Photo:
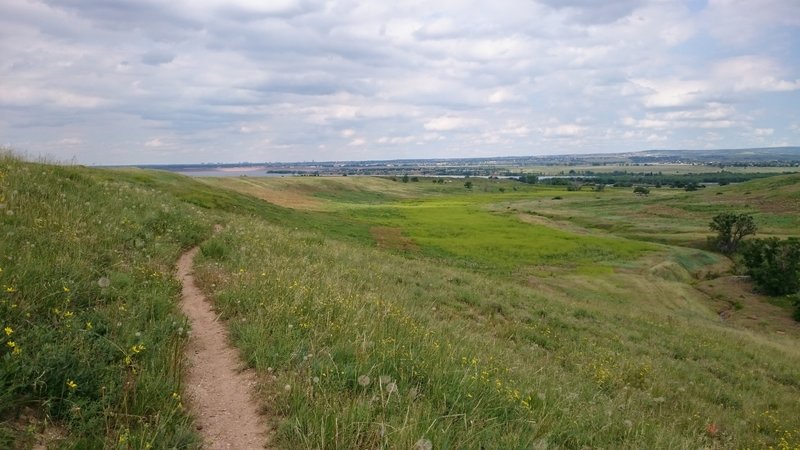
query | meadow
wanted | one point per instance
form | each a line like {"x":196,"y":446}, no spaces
{"x":497,"y":331}
{"x":382,"y":314}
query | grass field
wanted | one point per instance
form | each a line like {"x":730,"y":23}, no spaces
{"x":666,"y":169}
{"x":502,"y":332}
{"x":381,"y":314}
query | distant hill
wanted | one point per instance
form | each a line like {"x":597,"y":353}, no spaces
{"x":775,"y":157}
{"x":740,"y":155}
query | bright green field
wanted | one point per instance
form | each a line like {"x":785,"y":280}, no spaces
{"x":463,"y":228}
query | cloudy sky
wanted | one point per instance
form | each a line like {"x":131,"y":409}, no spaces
{"x":151,"y":81}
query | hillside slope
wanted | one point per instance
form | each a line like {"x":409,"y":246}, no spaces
{"x":394,"y":347}
{"x":372,"y":324}
{"x":91,"y":341}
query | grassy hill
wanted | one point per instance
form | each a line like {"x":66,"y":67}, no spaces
{"x":381,"y":314}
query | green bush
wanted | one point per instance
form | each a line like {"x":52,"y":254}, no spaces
{"x":796,"y":314}
{"x":774,"y":265}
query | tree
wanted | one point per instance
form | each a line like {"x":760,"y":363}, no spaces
{"x":641,"y":190}
{"x":773,"y":264}
{"x":405,"y":178}
{"x":468,"y":185}
{"x":731,"y":228}
{"x":574,"y":186}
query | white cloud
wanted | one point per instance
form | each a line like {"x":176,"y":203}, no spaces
{"x":357,"y":142}
{"x":155,"y":142}
{"x":295,"y":79}
{"x":502,"y":95}
{"x":450,"y":123}
{"x":70,"y":141}
{"x":569,"y":130}
{"x":665,"y":93}
{"x":396,"y":140}
{"x":752,"y":73}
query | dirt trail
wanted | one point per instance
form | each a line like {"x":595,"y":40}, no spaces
{"x":218,"y":391}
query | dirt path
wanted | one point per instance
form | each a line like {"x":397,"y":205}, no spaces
{"x":218,"y":391}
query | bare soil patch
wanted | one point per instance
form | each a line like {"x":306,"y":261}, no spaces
{"x":219,"y":390}
{"x":393,"y":239}
{"x":734,"y":300}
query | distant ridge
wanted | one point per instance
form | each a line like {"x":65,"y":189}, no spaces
{"x":761,"y":154}
{"x":775,"y":156}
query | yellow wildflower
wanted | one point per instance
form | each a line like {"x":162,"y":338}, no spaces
{"x":72,"y":385}
{"x":8,"y":331}
{"x":89,"y":325}
{"x":11,"y":344}
{"x":137,"y":348}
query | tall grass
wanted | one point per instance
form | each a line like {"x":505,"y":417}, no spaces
{"x":91,"y":339}
{"x":363,"y":349}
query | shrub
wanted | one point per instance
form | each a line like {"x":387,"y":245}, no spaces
{"x":641,"y":190}
{"x":796,"y":315}
{"x":774,"y":265}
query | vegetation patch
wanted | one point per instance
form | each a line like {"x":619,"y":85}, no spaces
{"x":390,"y":238}
{"x":610,"y":339}
{"x":91,"y":339}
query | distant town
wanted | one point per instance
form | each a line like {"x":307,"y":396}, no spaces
{"x":498,"y":166}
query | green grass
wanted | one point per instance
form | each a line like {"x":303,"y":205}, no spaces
{"x":676,"y":217}
{"x":515,"y":320}
{"x":100,"y":362}
{"x":459,"y":227}
{"x":482,"y":362}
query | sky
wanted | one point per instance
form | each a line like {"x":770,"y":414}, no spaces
{"x":193,"y":81}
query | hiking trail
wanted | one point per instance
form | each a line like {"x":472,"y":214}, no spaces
{"x":219,"y":391}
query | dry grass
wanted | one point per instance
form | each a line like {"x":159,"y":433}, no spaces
{"x":733,"y":298}
{"x":280,"y":194}
{"x":392,"y":238}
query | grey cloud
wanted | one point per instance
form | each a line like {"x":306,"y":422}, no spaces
{"x":157,"y":19}
{"x":282,"y":80}
{"x":157,"y":57}
{"x":595,"y":11}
